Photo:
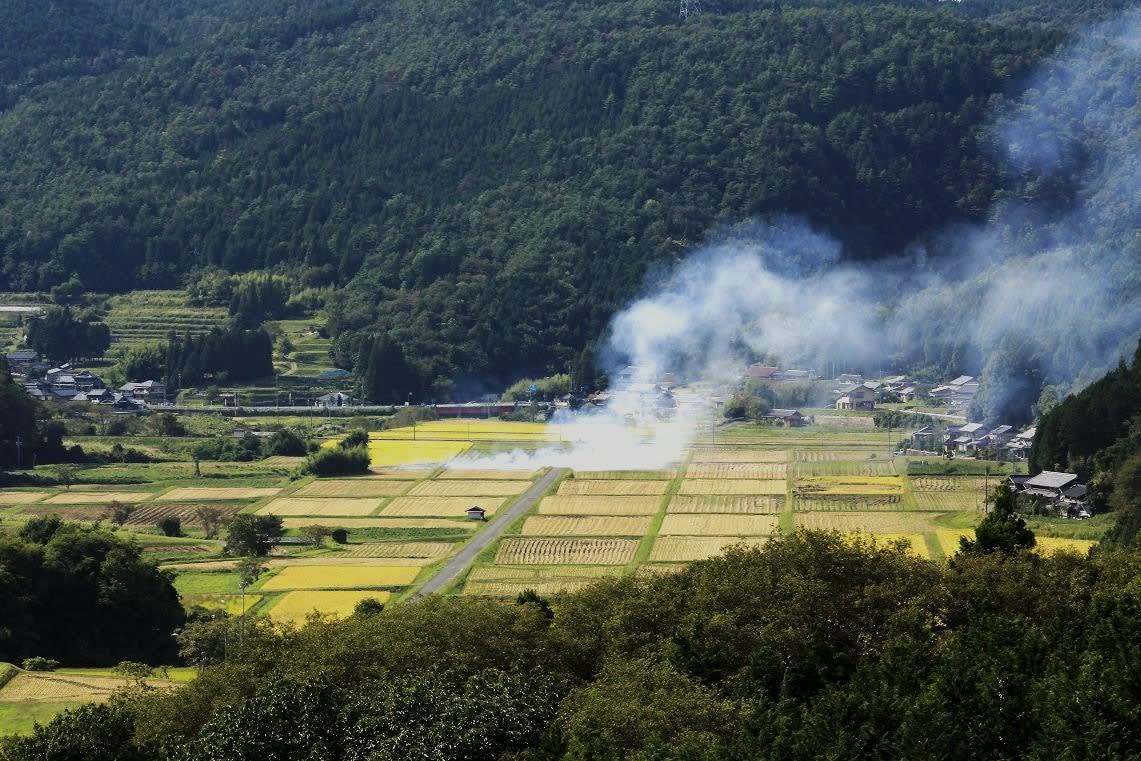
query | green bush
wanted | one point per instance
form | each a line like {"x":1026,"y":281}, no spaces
{"x":338,"y":461}
{"x":39,"y":664}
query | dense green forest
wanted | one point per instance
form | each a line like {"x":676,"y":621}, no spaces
{"x":812,"y":647}
{"x":490,"y":180}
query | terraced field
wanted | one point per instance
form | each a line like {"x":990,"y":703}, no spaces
{"x":150,"y":316}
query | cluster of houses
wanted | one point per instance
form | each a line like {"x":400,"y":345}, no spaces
{"x":971,"y":438}
{"x":63,"y":384}
{"x":1063,"y":490}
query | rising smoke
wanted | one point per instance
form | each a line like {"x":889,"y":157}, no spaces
{"x":1043,"y":294}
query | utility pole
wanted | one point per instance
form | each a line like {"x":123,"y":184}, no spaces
{"x":19,"y":450}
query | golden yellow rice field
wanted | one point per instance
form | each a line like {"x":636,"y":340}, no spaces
{"x":21,"y":497}
{"x":728,"y":503}
{"x":757,"y":470}
{"x":462,"y":488}
{"x":688,"y":548}
{"x":740,"y":455}
{"x":321,"y":507}
{"x":364,"y":487}
{"x":916,"y":544}
{"x":398,"y":550}
{"x":487,"y":475}
{"x":473,"y":430}
{"x":614,"y":487}
{"x":439,"y":507}
{"x":949,"y":539}
{"x":585,"y":525}
{"x":872,"y":522}
{"x":296,"y":606}
{"x":576,"y":505}
{"x":384,"y":453}
{"x":351,"y":523}
{"x":187,"y":494}
{"x":712,"y":524}
{"x":1050,"y":545}
{"x":340,"y":577}
{"x":544,"y":551}
{"x":697,"y":487}
{"x":92,"y":497}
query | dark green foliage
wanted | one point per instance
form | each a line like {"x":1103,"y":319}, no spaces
{"x":816,"y":646}
{"x":82,"y":596}
{"x":231,"y":355}
{"x":357,"y":438}
{"x":25,"y":430}
{"x":1010,"y":378}
{"x":286,"y":443}
{"x":1125,"y":500}
{"x":1002,"y":530}
{"x":170,"y":526}
{"x":257,"y":298}
{"x":370,"y":606}
{"x":41,"y":529}
{"x":338,"y":461}
{"x":60,"y":336}
{"x":229,"y":449}
{"x":37,"y":663}
{"x":385,"y":375}
{"x":252,"y":535}
{"x":339,"y":535}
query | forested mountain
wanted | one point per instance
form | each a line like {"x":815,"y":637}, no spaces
{"x":490,"y":180}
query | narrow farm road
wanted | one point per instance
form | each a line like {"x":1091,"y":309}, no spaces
{"x":483,"y":540}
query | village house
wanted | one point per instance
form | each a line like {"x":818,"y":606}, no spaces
{"x":1062,"y":489}
{"x":147,"y":391}
{"x":760,"y":372}
{"x":958,"y":392}
{"x":927,"y":439}
{"x":1018,"y":447}
{"x":22,"y":359}
{"x":476,"y":513}
{"x":967,"y":438}
{"x":335,"y":399}
{"x":794,"y":375}
{"x":997,"y":438}
{"x":861,"y":397}
{"x":787,"y":418}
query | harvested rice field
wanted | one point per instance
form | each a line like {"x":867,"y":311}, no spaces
{"x":949,"y":500}
{"x":396,"y":474}
{"x":633,"y":475}
{"x":688,"y":524}
{"x":540,"y":573}
{"x":463,"y":488}
{"x":849,"y":485}
{"x":872,"y":522}
{"x":545,"y":551}
{"x":384,"y":453}
{"x":321,"y":507}
{"x":587,"y":525}
{"x":365,"y":487}
{"x":296,"y":606}
{"x":613,"y":487}
{"x":351,"y":523}
{"x":283,"y":461}
{"x":21,"y":497}
{"x":845,"y":468}
{"x":851,"y":454}
{"x":824,"y":503}
{"x":52,"y":687}
{"x":90,"y":497}
{"x":188,"y":494}
{"x":90,"y":512}
{"x":514,"y":588}
{"x":574,"y":505}
{"x":689,"y":548}
{"x":952,"y":483}
{"x":726,"y":503}
{"x":740,"y":455}
{"x":755,"y":470}
{"x":438,"y":507}
{"x":657,"y":569}
{"x":487,"y":475}
{"x":473,"y":430}
{"x":398,"y":550}
{"x":340,"y":577}
{"x":697,"y":487}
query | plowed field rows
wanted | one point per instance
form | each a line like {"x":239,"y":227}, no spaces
{"x":465,"y":488}
{"x":849,"y":485}
{"x":757,"y":470}
{"x":691,"y":487}
{"x":566,"y":551}
{"x":540,"y":573}
{"x":91,"y":497}
{"x":857,"y":502}
{"x":615,"y":487}
{"x":439,"y":507}
{"x":718,"y":525}
{"x":720,"y":503}
{"x":564,"y":505}
{"x":951,"y":483}
{"x":153,"y":513}
{"x":687,"y":548}
{"x":948,"y":500}
{"x":514,"y":588}
{"x":365,"y":487}
{"x":399,"y":550}
{"x":845,"y":468}
{"x":586,"y":525}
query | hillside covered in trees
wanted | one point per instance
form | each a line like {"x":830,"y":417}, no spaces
{"x":489,"y":182}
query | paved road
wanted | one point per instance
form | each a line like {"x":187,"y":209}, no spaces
{"x":498,"y":525}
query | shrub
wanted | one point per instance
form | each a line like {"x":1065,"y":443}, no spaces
{"x":357,"y":438}
{"x":338,"y":461}
{"x":286,"y":443}
{"x":171,"y":525}
{"x":39,"y":664}
{"x":340,"y":535}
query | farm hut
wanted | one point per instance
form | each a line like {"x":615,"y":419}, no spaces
{"x":787,"y":418}
{"x":761,"y":372}
{"x":1050,"y":484}
{"x":476,"y":513}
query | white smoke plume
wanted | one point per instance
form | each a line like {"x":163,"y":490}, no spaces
{"x":1061,"y":286}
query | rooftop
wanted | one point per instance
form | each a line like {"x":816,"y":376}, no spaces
{"x":1049,"y":479}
